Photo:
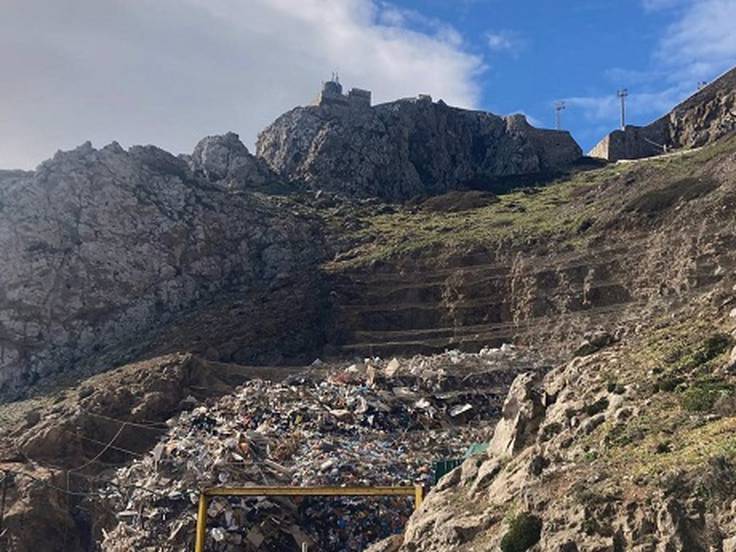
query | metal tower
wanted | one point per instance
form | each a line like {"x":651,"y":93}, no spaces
{"x":559,"y":108}
{"x":622,"y":94}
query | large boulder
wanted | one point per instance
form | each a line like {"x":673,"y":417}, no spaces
{"x":225,"y":159}
{"x":522,"y":413}
{"x":409,"y":148}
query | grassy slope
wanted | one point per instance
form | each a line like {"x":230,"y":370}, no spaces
{"x":569,"y":211}
{"x":687,"y":413}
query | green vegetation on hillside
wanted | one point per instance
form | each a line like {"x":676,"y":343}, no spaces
{"x":568,"y":212}
{"x":524,"y":532}
{"x":682,"y":422}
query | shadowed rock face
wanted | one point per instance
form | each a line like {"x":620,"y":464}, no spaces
{"x":98,"y":248}
{"x":407,"y":148}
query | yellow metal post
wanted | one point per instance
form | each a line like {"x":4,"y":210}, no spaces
{"x":417,"y":492}
{"x":201,"y":523}
{"x":310,"y":491}
{"x":418,"y":496}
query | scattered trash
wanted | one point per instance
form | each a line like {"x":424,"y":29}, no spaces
{"x":368,"y":423}
{"x":460,"y":409}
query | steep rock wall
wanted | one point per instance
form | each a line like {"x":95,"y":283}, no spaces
{"x":100,"y":248}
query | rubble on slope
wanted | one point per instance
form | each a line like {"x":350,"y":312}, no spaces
{"x":375,"y":422}
{"x":627,"y":448}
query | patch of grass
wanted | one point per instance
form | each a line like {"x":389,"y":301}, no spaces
{"x":520,"y":217}
{"x":693,"y":445}
{"x":702,"y":395}
{"x":676,"y":350}
{"x":631,"y":431}
{"x":455,"y":202}
{"x":685,"y":189}
{"x":525,"y":530}
{"x":712,"y":347}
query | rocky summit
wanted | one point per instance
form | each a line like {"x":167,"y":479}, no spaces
{"x":408,"y":148}
{"x":406,"y":294}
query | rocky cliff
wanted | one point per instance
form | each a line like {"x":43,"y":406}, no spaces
{"x":408,"y":148}
{"x":707,"y":116}
{"x":627,"y":448}
{"x":99,"y":248}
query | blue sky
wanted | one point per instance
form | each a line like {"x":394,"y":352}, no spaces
{"x":535,"y":52}
{"x":169,"y":72}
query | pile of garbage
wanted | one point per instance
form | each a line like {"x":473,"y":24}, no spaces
{"x":373,"y":422}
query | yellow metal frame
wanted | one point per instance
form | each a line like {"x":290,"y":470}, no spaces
{"x":417,"y":492}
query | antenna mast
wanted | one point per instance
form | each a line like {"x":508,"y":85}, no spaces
{"x":622,"y":94}
{"x":559,"y":108}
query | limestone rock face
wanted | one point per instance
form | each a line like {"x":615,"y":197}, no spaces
{"x":408,"y":148}
{"x":225,"y":159}
{"x":100,"y":247}
{"x":520,"y":418}
{"x":706,"y":116}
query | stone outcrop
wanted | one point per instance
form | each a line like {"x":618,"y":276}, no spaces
{"x":705,"y":117}
{"x":99,"y":248}
{"x":51,"y":449}
{"x":584,"y":474}
{"x":520,"y":418}
{"x":225,"y":159}
{"x":408,"y":148}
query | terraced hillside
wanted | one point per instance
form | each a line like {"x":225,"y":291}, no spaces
{"x":598,"y":250}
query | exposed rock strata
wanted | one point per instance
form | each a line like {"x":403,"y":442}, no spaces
{"x":626,"y":243}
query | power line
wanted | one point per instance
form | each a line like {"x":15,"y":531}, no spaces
{"x":103,"y":451}
{"x":153,"y":426}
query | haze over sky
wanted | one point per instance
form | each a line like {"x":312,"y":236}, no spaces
{"x":168,"y":72}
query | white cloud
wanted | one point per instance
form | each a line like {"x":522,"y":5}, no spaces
{"x":505,"y":41}
{"x":702,"y":42}
{"x":171,"y":71}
